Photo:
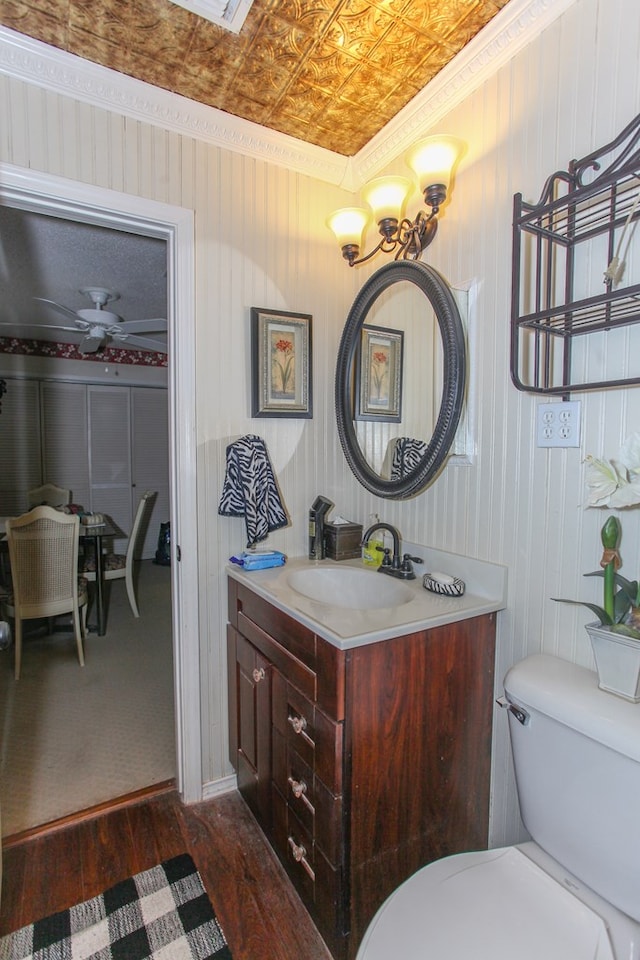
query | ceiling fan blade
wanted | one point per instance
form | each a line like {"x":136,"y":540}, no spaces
{"x":148,"y":342}
{"x":21,"y":327}
{"x":65,"y":311}
{"x":144,"y":326}
{"x":90,"y":344}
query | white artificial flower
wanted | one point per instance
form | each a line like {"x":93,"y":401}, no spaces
{"x":603,"y":480}
{"x":627,"y":494}
{"x":630,"y":454}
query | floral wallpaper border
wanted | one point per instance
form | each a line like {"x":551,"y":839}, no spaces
{"x":69,"y":351}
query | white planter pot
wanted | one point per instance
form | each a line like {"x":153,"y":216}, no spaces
{"x":617,"y":661}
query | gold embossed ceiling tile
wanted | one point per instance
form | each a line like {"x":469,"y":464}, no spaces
{"x":330,"y":72}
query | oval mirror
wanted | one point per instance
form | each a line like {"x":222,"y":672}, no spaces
{"x":400,"y":379}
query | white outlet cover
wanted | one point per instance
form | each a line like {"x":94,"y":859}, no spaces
{"x":558,"y":423}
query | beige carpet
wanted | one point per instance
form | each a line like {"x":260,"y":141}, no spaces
{"x":72,"y":736}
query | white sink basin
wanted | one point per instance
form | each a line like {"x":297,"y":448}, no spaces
{"x":350,"y":589}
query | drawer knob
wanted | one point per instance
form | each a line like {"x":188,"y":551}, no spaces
{"x":258,"y":674}
{"x":298,"y":723}
{"x":298,"y":787}
{"x":300,"y":856}
{"x":299,"y":790}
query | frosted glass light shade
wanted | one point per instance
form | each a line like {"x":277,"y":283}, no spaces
{"x":386,"y":196}
{"x":433,"y":159}
{"x":348,"y":224}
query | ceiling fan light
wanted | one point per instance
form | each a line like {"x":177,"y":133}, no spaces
{"x":433,"y":159}
{"x":387,"y":196}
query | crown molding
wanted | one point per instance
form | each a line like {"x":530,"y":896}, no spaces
{"x":516,"y":25}
{"x":512,"y":29}
{"x":64,"y":73}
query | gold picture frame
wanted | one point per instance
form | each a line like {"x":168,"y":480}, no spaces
{"x":378,"y":371}
{"x":281,"y":373}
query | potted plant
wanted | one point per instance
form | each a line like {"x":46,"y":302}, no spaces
{"x":615,"y":636}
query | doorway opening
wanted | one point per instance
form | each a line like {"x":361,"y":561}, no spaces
{"x":29,"y":190}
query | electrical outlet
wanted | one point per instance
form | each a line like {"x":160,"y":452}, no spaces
{"x":558,"y":424}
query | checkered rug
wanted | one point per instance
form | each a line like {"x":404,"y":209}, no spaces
{"x":161,"y":914}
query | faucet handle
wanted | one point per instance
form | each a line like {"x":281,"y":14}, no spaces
{"x":407,"y":561}
{"x":386,"y":560}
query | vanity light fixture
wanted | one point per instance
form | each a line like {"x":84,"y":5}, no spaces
{"x":432,"y":161}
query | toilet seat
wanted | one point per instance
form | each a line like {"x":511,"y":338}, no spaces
{"x":483,"y":905}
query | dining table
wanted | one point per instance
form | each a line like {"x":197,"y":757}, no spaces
{"x":96,"y":532}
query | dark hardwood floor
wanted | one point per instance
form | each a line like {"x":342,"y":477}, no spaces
{"x":260,"y":912}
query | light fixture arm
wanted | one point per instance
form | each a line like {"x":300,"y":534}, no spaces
{"x":408,"y":238}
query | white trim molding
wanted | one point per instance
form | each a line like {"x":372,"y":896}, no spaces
{"x":217,"y":788}
{"x":516,"y":25}
{"x":44,"y":193}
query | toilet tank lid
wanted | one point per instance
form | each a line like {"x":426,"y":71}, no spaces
{"x":569,"y":694}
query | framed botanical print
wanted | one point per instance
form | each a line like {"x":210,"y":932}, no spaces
{"x":281,"y":372}
{"x":378,"y":371}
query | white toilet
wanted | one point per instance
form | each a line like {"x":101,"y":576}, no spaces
{"x":573,"y":892}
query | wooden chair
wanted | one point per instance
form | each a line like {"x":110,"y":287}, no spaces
{"x":43,"y":553}
{"x":48,"y":495}
{"x":118,"y":566}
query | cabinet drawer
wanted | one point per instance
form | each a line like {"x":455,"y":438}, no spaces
{"x":316,"y":880}
{"x":307,"y":796}
{"x":289,"y":633}
{"x":316,"y":738}
{"x":295,"y":670}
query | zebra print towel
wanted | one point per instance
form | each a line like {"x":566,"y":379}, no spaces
{"x":250,"y":489}
{"x":407,"y":454}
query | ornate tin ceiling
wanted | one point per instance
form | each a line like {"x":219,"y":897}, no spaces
{"x":329,"y":72}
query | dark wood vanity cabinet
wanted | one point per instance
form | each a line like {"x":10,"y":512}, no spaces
{"x":360,"y":765}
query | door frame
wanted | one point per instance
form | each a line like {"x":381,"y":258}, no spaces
{"x":72,"y":200}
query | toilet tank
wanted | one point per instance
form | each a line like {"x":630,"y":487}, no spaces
{"x":577,"y":766}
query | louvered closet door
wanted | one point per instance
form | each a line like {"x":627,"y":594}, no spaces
{"x":110,"y":455}
{"x":150,"y":458}
{"x":65,"y":455}
{"x":19,"y":445}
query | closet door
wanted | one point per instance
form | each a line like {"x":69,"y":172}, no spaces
{"x":150,"y":458}
{"x":65,"y":452}
{"x":19,"y":445}
{"x":110,"y":456}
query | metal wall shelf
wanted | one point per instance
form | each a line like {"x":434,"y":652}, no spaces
{"x":562,"y":247}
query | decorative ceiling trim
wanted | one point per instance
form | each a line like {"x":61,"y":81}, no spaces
{"x":516,"y":25}
{"x":512,"y":29}
{"x":64,"y":73}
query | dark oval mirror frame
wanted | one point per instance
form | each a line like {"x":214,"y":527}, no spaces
{"x":454,"y":359}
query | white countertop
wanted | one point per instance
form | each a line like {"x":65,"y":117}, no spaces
{"x":486,"y":592}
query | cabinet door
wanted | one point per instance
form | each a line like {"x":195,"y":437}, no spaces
{"x":19,"y":446}
{"x":110,"y":455}
{"x":150,"y":459}
{"x":253,"y":698}
{"x":65,"y":451}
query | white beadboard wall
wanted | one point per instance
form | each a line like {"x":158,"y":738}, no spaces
{"x":261,"y":241}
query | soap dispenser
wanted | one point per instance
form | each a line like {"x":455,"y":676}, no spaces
{"x":317,"y":515}
{"x":373,"y":549}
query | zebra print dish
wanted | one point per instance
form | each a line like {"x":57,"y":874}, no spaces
{"x":444,"y":585}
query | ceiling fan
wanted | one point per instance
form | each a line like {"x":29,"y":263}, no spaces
{"x":100,"y":325}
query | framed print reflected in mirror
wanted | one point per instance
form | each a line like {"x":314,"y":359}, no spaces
{"x":378,"y":371}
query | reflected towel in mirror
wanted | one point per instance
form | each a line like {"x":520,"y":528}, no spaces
{"x":402,"y":456}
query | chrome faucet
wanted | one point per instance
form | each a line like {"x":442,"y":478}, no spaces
{"x":393,"y":565}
